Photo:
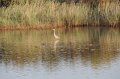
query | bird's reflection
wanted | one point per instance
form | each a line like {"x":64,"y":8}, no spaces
{"x":56,"y":42}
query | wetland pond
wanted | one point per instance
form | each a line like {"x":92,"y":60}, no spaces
{"x":80,"y":53}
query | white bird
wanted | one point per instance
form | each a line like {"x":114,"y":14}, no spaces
{"x":56,"y":37}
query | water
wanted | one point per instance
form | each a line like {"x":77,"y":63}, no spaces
{"x":81,"y":53}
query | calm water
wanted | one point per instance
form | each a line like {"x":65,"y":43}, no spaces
{"x":81,"y":53}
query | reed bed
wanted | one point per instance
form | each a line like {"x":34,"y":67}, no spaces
{"x":49,"y":14}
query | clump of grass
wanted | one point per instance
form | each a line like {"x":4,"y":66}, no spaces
{"x":111,"y":11}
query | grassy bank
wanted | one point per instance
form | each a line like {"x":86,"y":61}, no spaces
{"x":49,"y":14}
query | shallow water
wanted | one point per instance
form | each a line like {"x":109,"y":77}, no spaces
{"x":81,"y":53}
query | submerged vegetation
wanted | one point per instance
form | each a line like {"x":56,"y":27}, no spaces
{"x":58,"y":13}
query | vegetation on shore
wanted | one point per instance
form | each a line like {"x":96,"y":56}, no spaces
{"x":46,"y":14}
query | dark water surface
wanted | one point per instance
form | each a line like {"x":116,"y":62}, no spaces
{"x":81,"y":53}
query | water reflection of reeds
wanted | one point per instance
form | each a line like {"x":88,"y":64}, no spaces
{"x":94,"y":47}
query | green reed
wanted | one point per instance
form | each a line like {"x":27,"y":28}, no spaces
{"x":43,"y":13}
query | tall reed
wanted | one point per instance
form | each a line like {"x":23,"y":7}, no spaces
{"x":44,"y":13}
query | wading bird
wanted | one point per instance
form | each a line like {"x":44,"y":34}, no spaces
{"x":56,"y":37}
